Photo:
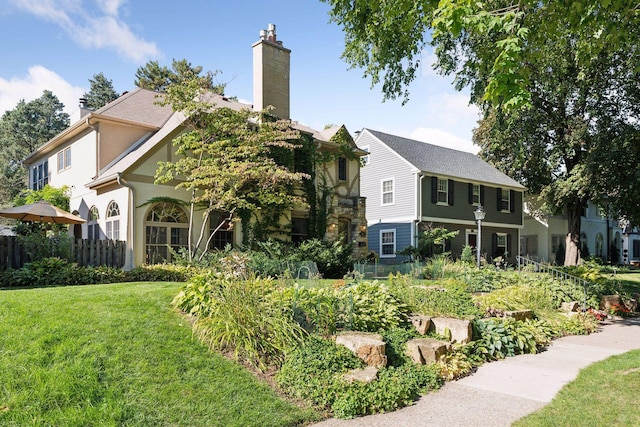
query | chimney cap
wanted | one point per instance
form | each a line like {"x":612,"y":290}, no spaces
{"x":83,"y":102}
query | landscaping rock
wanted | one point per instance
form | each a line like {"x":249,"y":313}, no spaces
{"x":520,"y":315}
{"x":420,"y":322}
{"x":367,"y":346}
{"x":365,"y":375}
{"x":632,"y":305}
{"x":427,"y":350}
{"x":461,"y":330}
{"x":606,"y":301}
{"x":570,"y":306}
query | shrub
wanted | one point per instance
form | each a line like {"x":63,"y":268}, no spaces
{"x":370,"y":307}
{"x":314,"y":372}
{"x":242,"y":317}
{"x":332,"y":258}
{"x":443,"y":298}
{"x":161,"y":273}
{"x":499,"y":338}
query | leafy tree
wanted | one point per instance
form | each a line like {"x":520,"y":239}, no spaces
{"x":556,"y":83}
{"x":101,"y":92}
{"x":22,"y":131}
{"x":226,"y":158}
{"x":158,"y":78}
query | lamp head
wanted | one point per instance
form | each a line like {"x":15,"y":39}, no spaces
{"x":479,"y":213}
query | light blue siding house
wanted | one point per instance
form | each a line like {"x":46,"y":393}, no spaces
{"x":410,"y":185}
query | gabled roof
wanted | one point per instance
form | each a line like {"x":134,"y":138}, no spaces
{"x":433,"y":159}
{"x":138,"y":106}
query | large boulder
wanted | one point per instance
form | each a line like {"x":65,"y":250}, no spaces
{"x":365,"y":375}
{"x":367,"y":346}
{"x":420,"y":322}
{"x":570,"y":306}
{"x":607,"y":301}
{"x":460,"y":330}
{"x":427,"y":350}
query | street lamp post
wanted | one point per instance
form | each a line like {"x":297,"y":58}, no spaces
{"x":479,"y":214}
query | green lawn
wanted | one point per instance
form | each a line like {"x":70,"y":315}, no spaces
{"x":604,"y":394}
{"x":118,"y":355}
{"x":630,"y":281}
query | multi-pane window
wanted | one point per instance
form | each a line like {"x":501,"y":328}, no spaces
{"x":387,"y":243}
{"x":299,"y":230}
{"x":64,"y":159}
{"x":166,"y":227}
{"x":40,"y":175}
{"x":475,"y":195}
{"x":505,"y":200}
{"x":224,"y":235}
{"x":387,"y":192}
{"x":342,"y":168}
{"x":443,"y":191}
{"x":112,"y":226}
{"x":93,"y":228}
{"x":501,"y":244}
{"x":557,"y":240}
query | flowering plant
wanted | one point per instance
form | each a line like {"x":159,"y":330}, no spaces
{"x":599,"y":315}
{"x":619,"y":310}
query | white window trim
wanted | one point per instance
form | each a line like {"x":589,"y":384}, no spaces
{"x":66,"y":159}
{"x":393,"y":192}
{"x":391,"y":230}
{"x":508,"y":199}
{"x":446,"y":192}
{"x":506,"y":242}
{"x":473,"y":194}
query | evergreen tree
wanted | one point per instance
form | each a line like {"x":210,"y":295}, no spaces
{"x":101,"y":92}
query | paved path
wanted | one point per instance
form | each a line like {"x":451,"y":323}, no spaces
{"x":499,"y":393}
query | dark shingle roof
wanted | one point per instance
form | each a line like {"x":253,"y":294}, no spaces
{"x":438,"y":160}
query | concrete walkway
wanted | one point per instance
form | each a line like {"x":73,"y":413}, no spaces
{"x":501,"y":392}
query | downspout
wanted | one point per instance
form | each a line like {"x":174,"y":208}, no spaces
{"x":130,"y":222}
{"x":418,"y":210}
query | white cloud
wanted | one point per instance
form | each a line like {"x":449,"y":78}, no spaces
{"x":33,"y":84}
{"x":452,"y":110}
{"x":89,"y":31}
{"x":443,"y":139}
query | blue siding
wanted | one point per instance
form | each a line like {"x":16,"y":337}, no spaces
{"x":403,"y":240}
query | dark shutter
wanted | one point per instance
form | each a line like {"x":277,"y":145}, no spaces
{"x":470,"y":194}
{"x":508,"y":250}
{"x":494,"y":244}
{"x":512,"y":201}
{"x":450,"y":188}
{"x":482,"y":195}
{"x":434,"y":189}
{"x":499,"y":198}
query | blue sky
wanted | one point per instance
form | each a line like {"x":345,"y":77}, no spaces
{"x":60,"y":44}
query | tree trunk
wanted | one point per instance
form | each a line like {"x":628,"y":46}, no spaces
{"x":572,"y":252}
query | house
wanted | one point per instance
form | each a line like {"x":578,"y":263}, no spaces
{"x":108,"y":159}
{"x":411,"y":184}
{"x":544,"y":236}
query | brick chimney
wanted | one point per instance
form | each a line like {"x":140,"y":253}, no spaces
{"x":271,"y":66}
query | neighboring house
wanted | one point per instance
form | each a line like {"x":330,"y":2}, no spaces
{"x":544,"y":236}
{"x":108,"y":159}
{"x":411,"y":184}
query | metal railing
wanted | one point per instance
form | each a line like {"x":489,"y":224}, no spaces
{"x":556,"y":274}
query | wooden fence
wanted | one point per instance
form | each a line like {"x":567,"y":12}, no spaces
{"x":83,"y":252}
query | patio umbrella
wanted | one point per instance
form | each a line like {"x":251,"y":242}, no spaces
{"x":41,"y":212}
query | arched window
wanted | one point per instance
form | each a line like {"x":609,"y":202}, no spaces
{"x":112,"y":226}
{"x":599,"y":244}
{"x":166,"y":226}
{"x":584,"y":246}
{"x":93,"y":228}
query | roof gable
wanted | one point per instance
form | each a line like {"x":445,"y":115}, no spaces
{"x":438,"y":160}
